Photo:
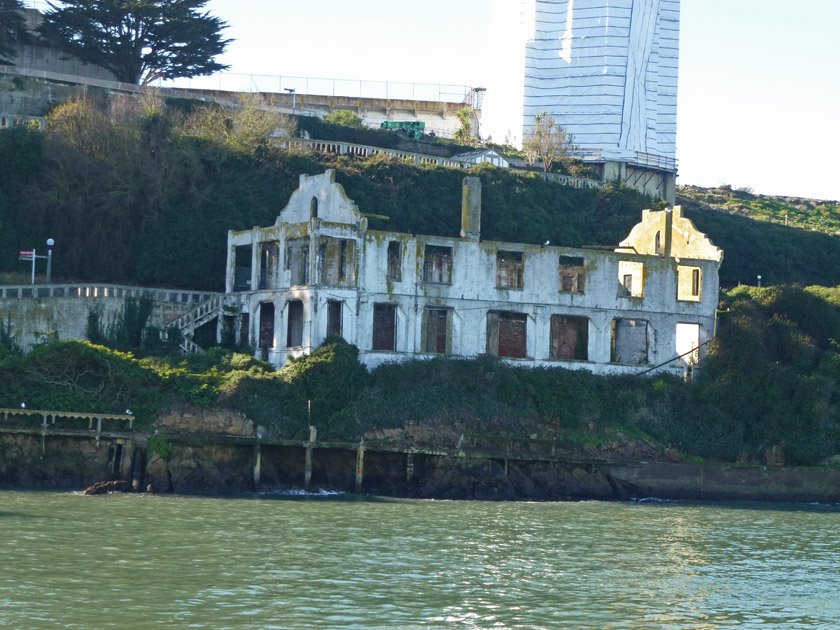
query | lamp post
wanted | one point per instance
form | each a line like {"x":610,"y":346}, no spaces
{"x":50,"y":243}
{"x":293,"y":92}
{"x":759,"y":280}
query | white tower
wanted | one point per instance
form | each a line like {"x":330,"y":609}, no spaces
{"x":604,"y":69}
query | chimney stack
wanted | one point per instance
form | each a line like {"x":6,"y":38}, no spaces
{"x":471,"y":209}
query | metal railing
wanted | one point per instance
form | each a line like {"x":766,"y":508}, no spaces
{"x":102,"y":291}
{"x":48,"y":418}
{"x":342,"y":148}
{"x":7,"y":121}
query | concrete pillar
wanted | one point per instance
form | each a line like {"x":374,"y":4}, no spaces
{"x":615,"y":171}
{"x":230,"y":269}
{"x":471,"y":208}
{"x":256,"y":250}
{"x":669,"y":188}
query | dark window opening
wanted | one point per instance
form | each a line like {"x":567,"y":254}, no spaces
{"x":313,"y":208}
{"x":266,"y":325}
{"x":384,"y":327}
{"x":509,"y":270}
{"x":657,"y":245}
{"x":393,"y":261}
{"x":437,"y":264}
{"x":506,"y":334}
{"x":571,"y":274}
{"x":294,"y":332}
{"x":244,"y":325}
{"x":695,"y":282}
{"x":569,"y":338}
{"x":333,"y":318}
{"x":297,"y":260}
{"x":242,"y":268}
{"x":437,"y":332}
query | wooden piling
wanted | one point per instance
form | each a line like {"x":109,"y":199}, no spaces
{"x":409,"y":466}
{"x":360,"y":466}
{"x":307,"y":463}
{"x":257,"y":464}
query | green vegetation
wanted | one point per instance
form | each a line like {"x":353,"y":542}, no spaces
{"x":138,"y":190}
{"x":139,"y":42}
{"x":346,"y":118}
{"x":807,"y":214}
{"x":768,"y":391}
{"x":12,"y":29}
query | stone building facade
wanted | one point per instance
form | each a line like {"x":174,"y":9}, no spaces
{"x":319,"y":270}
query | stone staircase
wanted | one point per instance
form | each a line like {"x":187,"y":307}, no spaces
{"x":189,"y":322}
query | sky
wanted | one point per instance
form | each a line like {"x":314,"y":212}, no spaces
{"x":759,"y":80}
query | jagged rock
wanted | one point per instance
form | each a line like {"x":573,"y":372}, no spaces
{"x":189,"y":418}
{"x":109,"y":487}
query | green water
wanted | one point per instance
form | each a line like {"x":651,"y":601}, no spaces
{"x":71,"y":561}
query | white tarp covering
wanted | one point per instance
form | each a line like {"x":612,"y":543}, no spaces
{"x":607,"y":71}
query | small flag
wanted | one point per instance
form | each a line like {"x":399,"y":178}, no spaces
{"x":27,"y":256}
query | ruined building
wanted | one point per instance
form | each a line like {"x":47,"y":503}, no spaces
{"x":320,"y":271}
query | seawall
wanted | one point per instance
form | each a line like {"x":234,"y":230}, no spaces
{"x":221,"y":465}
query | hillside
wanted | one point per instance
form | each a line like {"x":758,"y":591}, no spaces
{"x":145,"y":192}
{"x":819,"y":215}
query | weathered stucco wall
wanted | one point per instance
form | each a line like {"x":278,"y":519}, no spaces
{"x":32,"y":311}
{"x":471,"y":285}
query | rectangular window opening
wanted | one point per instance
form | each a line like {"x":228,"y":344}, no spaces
{"x":569,"y":338}
{"x":507,"y":334}
{"x":629,"y":342}
{"x":437,"y":264}
{"x":333,"y":317}
{"x":689,"y":283}
{"x":571,"y":274}
{"x":384,"y":327}
{"x":437,"y":330}
{"x":509,"y":270}
{"x":294,"y":332}
{"x":631,"y":278}
{"x":393,"y":272}
{"x":297,"y":260}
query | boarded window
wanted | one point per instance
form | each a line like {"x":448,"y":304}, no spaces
{"x":509,"y":270}
{"x":569,"y":338}
{"x":689,"y":283}
{"x":437,"y":330}
{"x":384,"y":327}
{"x":629,"y":341}
{"x":393,"y":272}
{"x":294,"y":332}
{"x":333,"y":317}
{"x":437,"y":264}
{"x":266,"y":325}
{"x":336,"y":261}
{"x":297,"y":260}
{"x":506,"y":334}
{"x":631,"y":278}
{"x":571,"y":274}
